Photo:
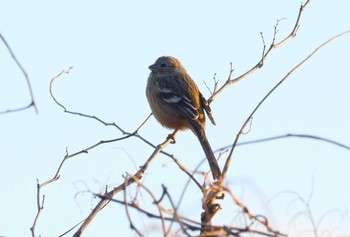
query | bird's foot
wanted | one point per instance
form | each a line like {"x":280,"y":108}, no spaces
{"x":172,"y":137}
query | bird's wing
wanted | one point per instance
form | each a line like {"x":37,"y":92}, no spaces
{"x":177,"y":94}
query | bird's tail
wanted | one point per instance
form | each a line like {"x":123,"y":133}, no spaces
{"x":214,"y":166}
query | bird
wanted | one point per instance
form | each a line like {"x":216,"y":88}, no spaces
{"x":177,"y":103}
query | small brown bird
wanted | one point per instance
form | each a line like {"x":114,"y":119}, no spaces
{"x":177,"y":103}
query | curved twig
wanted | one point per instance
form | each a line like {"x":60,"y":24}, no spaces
{"x":289,"y":135}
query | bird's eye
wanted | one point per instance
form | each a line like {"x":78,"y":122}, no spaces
{"x":163,"y":65}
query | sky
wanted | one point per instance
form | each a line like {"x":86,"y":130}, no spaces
{"x":110,"y":45}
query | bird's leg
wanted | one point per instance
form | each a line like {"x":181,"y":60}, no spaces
{"x":172,"y":136}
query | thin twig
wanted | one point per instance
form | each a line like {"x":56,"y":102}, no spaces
{"x":184,"y":169}
{"x":40,"y":207}
{"x":83,"y":151}
{"x":132,"y":225}
{"x":127,"y":134}
{"x":111,"y":194}
{"x":32,"y":103}
{"x":229,"y":159}
{"x":193,"y":225}
{"x":273,"y":46}
{"x":258,"y":218}
{"x":289,"y":135}
{"x":154,"y":201}
{"x":174,"y":212}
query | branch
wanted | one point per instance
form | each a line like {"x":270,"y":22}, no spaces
{"x":83,"y":151}
{"x":253,"y":218}
{"x":260,"y":64}
{"x":127,"y":134}
{"x":138,"y":175}
{"x":229,"y":159}
{"x":154,"y":202}
{"x":116,"y":190}
{"x":192,"y":225}
{"x":32,"y":103}
{"x":40,"y":207}
{"x":289,"y":135}
{"x":132,"y":226}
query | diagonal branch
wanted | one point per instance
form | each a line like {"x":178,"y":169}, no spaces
{"x":107,"y":197}
{"x":32,"y":103}
{"x":229,"y":159}
{"x":260,"y":64}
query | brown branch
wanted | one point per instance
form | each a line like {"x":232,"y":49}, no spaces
{"x":155,"y":202}
{"x":184,"y":169}
{"x":83,"y":151}
{"x":40,"y":207}
{"x":273,"y":46}
{"x":216,"y":83}
{"x":131,"y":223}
{"x":103,"y":203}
{"x":93,"y":117}
{"x":111,"y":194}
{"x":174,"y":212}
{"x":183,"y":221}
{"x":229,"y":159}
{"x":127,"y":134}
{"x":32,"y":103}
{"x":307,"y":212}
{"x":290,"y":135}
{"x":192,"y":225}
{"x":254,"y":218}
{"x":77,"y":113}
{"x":158,"y":149}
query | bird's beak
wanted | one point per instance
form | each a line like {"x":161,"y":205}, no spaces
{"x":152,"y":67}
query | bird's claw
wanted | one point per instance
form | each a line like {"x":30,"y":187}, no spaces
{"x":172,"y":137}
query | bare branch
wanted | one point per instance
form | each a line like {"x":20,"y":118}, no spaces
{"x":77,"y":113}
{"x":228,"y":161}
{"x":192,"y":225}
{"x":127,"y":134}
{"x":139,"y":174}
{"x":111,"y":194}
{"x":155,"y":202}
{"x":289,"y":135}
{"x":32,"y":103}
{"x":40,"y":207}
{"x":273,"y":46}
{"x":184,"y":169}
{"x":132,"y":226}
{"x":307,"y":211}
{"x":210,"y":191}
{"x":254,"y":218}
{"x":216,"y":82}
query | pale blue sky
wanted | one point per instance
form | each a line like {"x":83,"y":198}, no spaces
{"x":110,"y":44}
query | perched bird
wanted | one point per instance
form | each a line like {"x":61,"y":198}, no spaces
{"x":177,"y":103}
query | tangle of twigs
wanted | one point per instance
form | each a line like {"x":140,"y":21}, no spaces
{"x":211,"y":191}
